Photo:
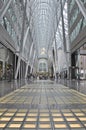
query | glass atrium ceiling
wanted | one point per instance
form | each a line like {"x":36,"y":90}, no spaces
{"x":44,"y":20}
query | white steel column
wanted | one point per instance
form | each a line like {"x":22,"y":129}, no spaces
{"x":25,"y":37}
{"x":5,"y":8}
{"x":54,"y":66}
{"x":28,"y":61}
{"x":81,"y":7}
{"x":63,"y":27}
{"x":55,"y":62}
{"x":21,"y":41}
{"x":33,"y":61}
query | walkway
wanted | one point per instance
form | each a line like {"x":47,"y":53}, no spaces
{"x":43,"y":105}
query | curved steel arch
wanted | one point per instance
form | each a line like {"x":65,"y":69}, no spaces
{"x":52,"y":33}
{"x":39,"y":25}
{"x":48,"y":33}
{"x":36,"y":17}
{"x":38,"y":20}
{"x":44,"y":1}
{"x":38,"y":5}
{"x":37,"y":13}
{"x":43,"y":21}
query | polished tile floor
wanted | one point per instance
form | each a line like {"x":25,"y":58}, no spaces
{"x":43,"y":105}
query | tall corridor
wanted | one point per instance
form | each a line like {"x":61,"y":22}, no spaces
{"x":42,"y":64}
{"x":43,"y":105}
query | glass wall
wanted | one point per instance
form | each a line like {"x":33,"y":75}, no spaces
{"x":73,"y":18}
{"x":42,"y":67}
{"x":10,"y":23}
{"x":77,"y":21}
{"x":72,"y":4}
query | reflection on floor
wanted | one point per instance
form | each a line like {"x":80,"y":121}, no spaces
{"x":43,"y":105}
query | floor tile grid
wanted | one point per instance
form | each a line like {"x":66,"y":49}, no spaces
{"x":59,"y":120}
{"x":77,"y":117}
{"x":38,"y":118}
{"x":3,"y":112}
{"x":64,"y":97}
{"x":72,"y":99}
{"x":79,"y":123}
{"x":80,"y":97}
{"x":50,"y":114}
{"x":18,"y":99}
{"x":65,"y":121}
{"x":34,"y":97}
{"x":28,"y":101}
{"x":24,"y":121}
{"x":27,"y":97}
{"x":60,"y":96}
{"x":15,"y":99}
{"x":37,"y":125}
{"x":84,"y":111}
{"x":43,"y":96}
{"x":9,"y":124}
{"x":54,"y":99}
{"x":4,"y":99}
{"x":59,"y":123}
{"x":72,"y":120}
{"x":11,"y":117}
{"x":78,"y":94}
{"x":72,"y":96}
{"x":9,"y":97}
{"x":51,"y":119}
